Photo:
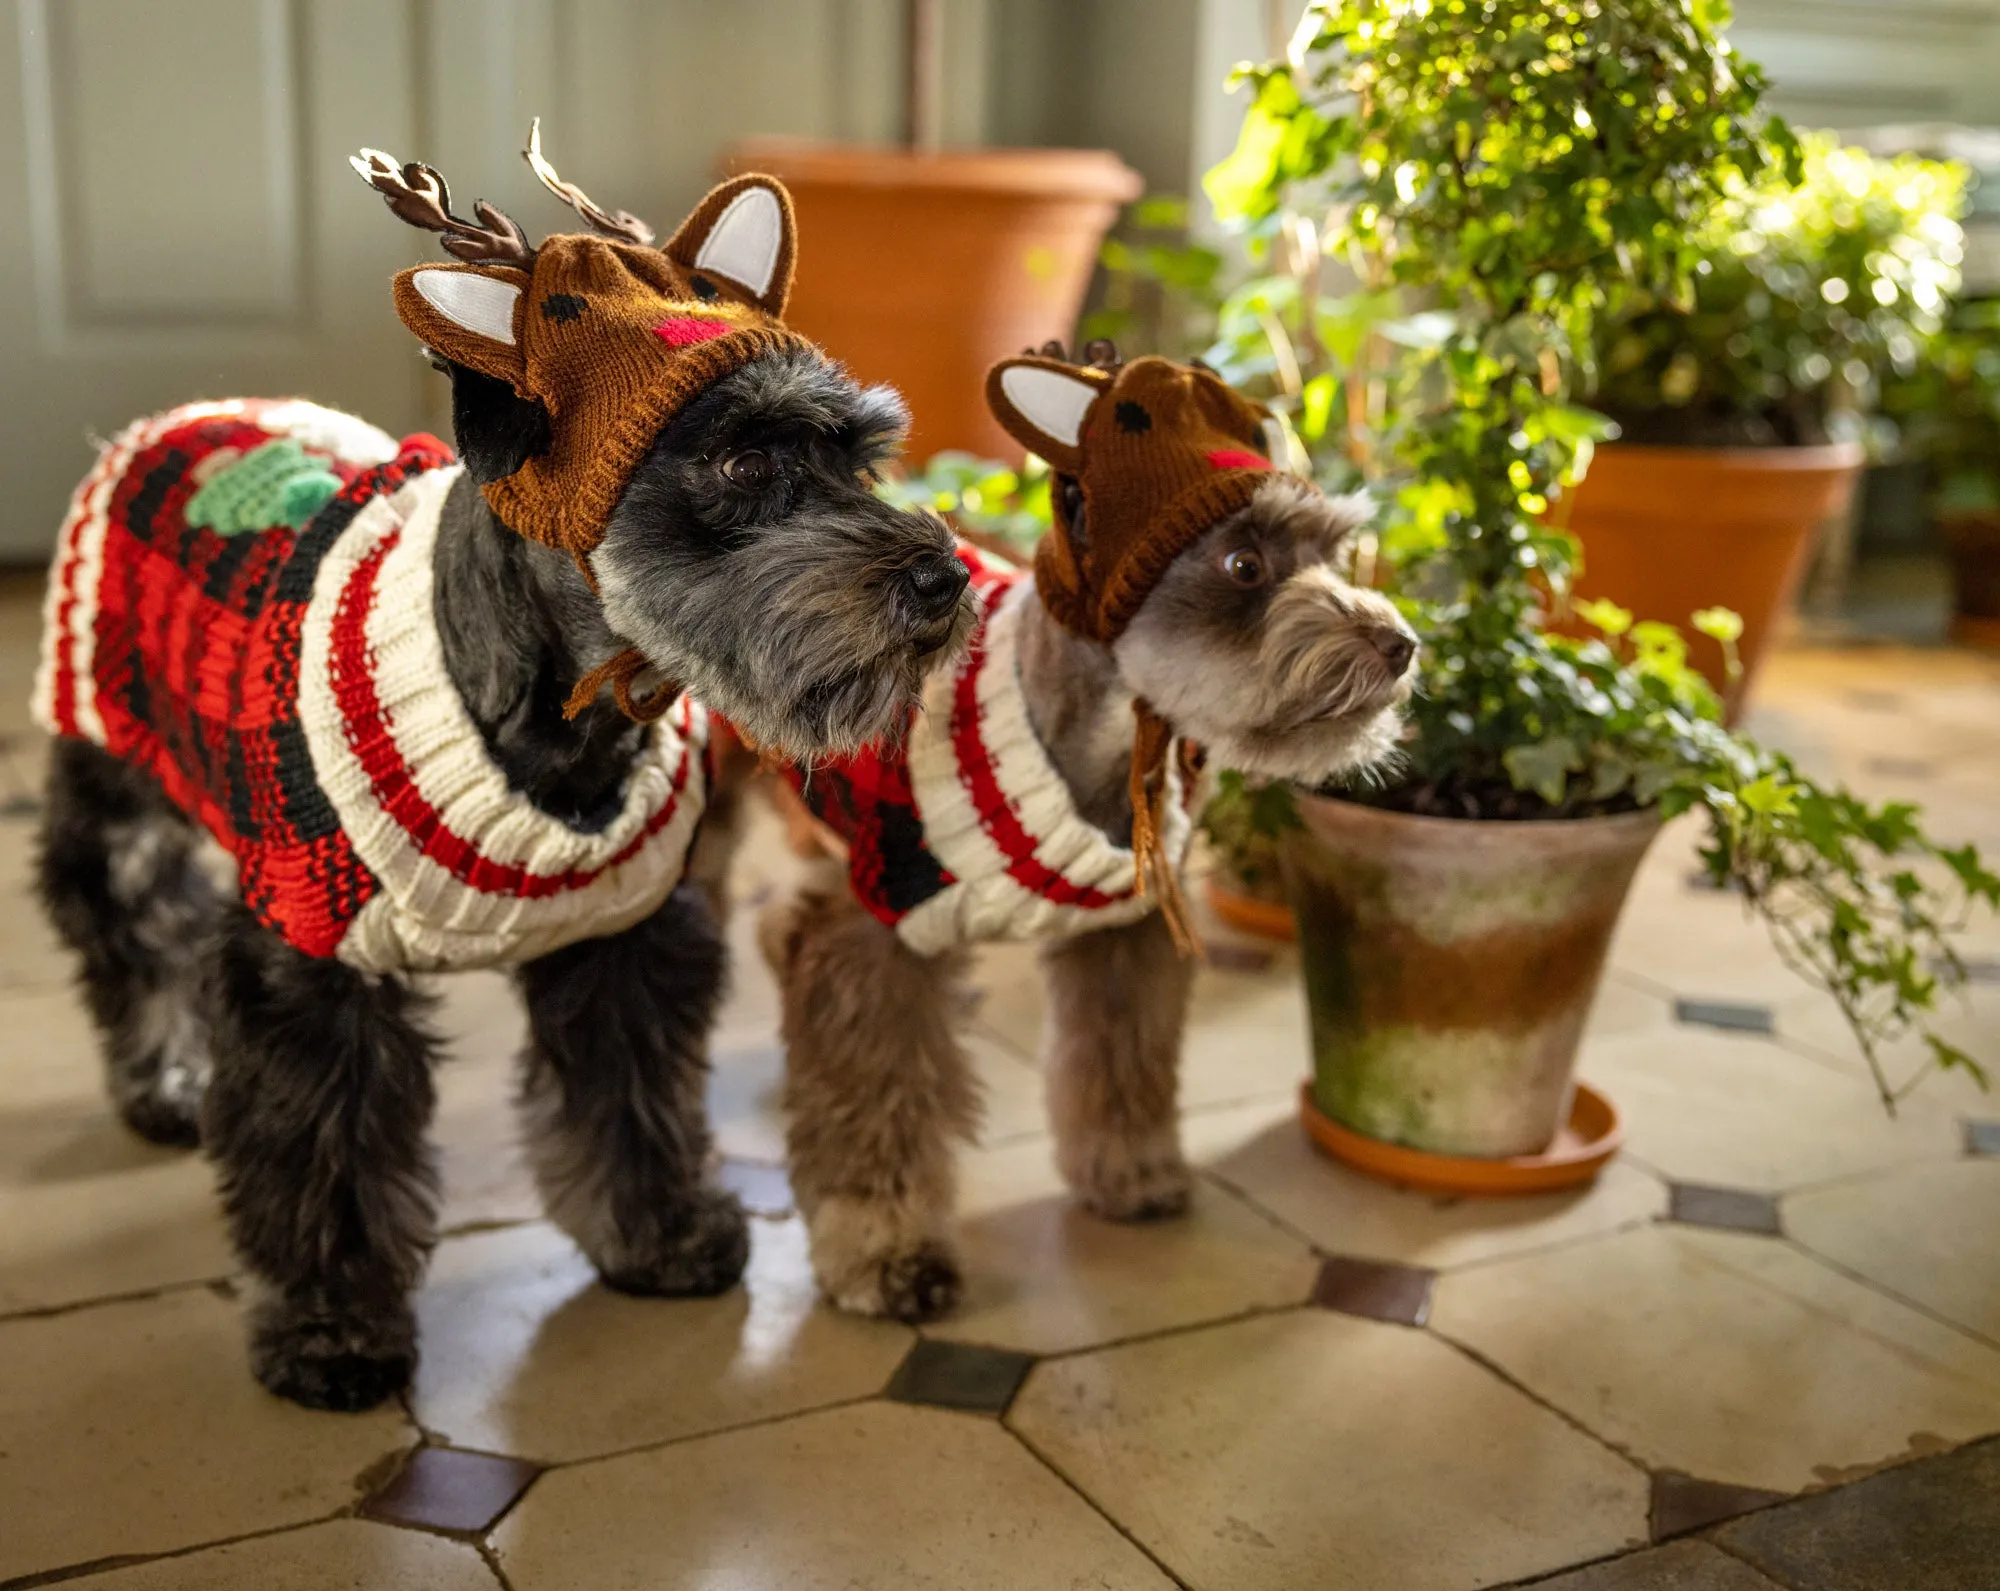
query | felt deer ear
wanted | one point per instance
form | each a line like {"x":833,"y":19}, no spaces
{"x":469,"y":313}
{"x":743,"y":233}
{"x":1043,"y":403}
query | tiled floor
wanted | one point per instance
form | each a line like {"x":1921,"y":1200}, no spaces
{"x":1312,"y":1382}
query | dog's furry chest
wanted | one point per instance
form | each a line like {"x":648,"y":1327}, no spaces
{"x":966,"y":831}
{"x":288,"y":691}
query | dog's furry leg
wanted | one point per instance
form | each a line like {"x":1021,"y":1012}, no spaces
{"x":1111,"y":1048}
{"x":122,"y":878}
{"x":877,"y":1087}
{"x":617,"y":1124}
{"x":316,"y":1120}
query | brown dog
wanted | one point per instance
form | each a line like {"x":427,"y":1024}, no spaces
{"x":1188,"y":589}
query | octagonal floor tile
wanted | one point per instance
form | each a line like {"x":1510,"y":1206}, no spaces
{"x":1925,"y":1232}
{"x":524,"y":1353}
{"x":1737,"y":1112}
{"x":136,"y":1428}
{"x":1262,"y":1151}
{"x":881,"y":1495}
{"x":1311,"y":1449}
{"x":1737,"y":1359}
{"x":341,"y":1555}
{"x":1043,"y":1275}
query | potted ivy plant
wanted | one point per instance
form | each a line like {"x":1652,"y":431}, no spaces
{"x":1742,"y":387}
{"x":1501,"y":184}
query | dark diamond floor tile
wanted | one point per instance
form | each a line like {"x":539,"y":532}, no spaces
{"x":1731,"y":1209}
{"x":1901,"y":767}
{"x":1727,"y":1015}
{"x":1982,"y":1137}
{"x":1981,"y":969}
{"x":1681,"y":1566}
{"x":443,"y":1489}
{"x":1929,"y":1526}
{"x":764,"y":1190}
{"x":1682,"y":1503}
{"x":1399,"y":1294}
{"x":953,"y":1375}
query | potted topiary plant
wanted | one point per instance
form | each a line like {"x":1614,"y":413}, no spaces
{"x":1501,"y":179}
{"x":1741,"y":391}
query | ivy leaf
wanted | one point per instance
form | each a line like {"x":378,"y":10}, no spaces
{"x":1769,"y":796}
{"x":1719,"y":624}
{"x":1950,"y":1057}
{"x":1543,"y":767}
{"x":1604,"y":615}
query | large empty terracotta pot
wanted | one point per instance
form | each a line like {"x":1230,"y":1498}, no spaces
{"x":922,"y":269}
{"x":1667,"y":531}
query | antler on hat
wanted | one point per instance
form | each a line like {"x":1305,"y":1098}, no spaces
{"x":609,"y":333}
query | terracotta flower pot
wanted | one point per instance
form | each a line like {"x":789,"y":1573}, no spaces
{"x":1667,"y":531}
{"x":1972,"y":543}
{"x":1449,"y":967}
{"x":1247,"y":910}
{"x":921,"y":270}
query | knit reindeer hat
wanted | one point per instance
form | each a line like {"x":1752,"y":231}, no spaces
{"x":1147,"y":456}
{"x":1157,"y":452}
{"x":610,"y":334}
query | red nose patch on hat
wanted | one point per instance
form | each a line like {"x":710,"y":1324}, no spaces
{"x":681,"y":331}
{"x":1230,"y":458}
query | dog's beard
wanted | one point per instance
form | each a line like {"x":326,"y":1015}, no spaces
{"x":793,"y":692}
{"x":1311,"y":702}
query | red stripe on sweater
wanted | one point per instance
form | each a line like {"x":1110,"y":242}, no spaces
{"x":395,"y":785}
{"x":996,"y":812}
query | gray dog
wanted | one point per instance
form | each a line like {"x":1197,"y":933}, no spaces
{"x":335,"y":711}
{"x":1188,"y":589}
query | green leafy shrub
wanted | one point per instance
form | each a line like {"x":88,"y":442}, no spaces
{"x":1804,"y":301}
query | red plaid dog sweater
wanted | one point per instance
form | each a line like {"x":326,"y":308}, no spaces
{"x":964,"y":831}
{"x":288,"y":690}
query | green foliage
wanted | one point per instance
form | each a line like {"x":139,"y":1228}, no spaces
{"x":983,"y":495}
{"x":1948,"y":410}
{"x":1503,"y":179}
{"x":1804,"y":301}
{"x":1244,"y":822}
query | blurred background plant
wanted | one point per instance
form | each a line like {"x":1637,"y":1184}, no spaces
{"x":1807,"y":302}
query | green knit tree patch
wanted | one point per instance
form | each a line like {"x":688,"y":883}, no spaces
{"x":276,"y":484}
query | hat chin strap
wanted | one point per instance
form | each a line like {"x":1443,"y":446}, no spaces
{"x":618,"y":671}
{"x":1153,"y":872}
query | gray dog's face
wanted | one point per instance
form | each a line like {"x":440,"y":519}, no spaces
{"x":750,"y":560}
{"x":1254,"y":647}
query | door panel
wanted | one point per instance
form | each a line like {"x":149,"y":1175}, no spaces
{"x":186,"y":225}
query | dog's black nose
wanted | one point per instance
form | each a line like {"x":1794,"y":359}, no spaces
{"x":935,"y":583}
{"x":1396,"y":647}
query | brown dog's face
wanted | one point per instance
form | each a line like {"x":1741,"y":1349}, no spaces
{"x":1254,"y":647}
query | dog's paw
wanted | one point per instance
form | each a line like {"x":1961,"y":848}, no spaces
{"x":1124,"y":1181}
{"x":869,"y":1262}
{"x":170,"y":1123}
{"x":698,"y":1254}
{"x":341,"y":1365}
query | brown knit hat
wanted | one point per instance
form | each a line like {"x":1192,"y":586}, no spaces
{"x":610,"y":334}
{"x":1159,"y":452}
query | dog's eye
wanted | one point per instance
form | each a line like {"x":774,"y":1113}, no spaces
{"x":1245,"y":568}
{"x":749,"y":470}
